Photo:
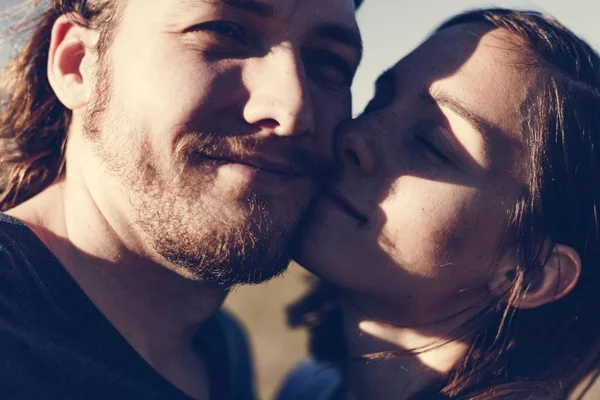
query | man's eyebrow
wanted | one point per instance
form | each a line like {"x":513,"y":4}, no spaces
{"x":440,"y":98}
{"x":341,"y":34}
{"x":256,"y":7}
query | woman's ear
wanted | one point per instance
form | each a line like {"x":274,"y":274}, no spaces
{"x":69,"y":60}
{"x":554,"y":280}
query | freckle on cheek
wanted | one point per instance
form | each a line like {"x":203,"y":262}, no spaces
{"x":449,"y":240}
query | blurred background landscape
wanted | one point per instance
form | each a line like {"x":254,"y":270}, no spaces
{"x":391,"y":29}
{"x":276,"y":348}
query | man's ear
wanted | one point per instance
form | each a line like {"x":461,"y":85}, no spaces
{"x":554,"y":280}
{"x":70,"y":58}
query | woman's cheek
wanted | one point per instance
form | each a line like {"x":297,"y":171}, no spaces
{"x":426,"y":225}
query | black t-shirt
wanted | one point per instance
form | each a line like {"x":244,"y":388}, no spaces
{"x":320,"y":380}
{"x":55,"y":344}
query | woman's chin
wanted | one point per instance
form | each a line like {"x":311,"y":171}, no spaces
{"x":328,"y":249}
{"x":322,"y":260}
{"x":307,"y":255}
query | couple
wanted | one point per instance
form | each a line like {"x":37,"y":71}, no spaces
{"x":156,"y":155}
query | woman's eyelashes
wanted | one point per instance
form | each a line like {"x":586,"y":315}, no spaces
{"x":432,"y":149}
{"x":433,"y":142}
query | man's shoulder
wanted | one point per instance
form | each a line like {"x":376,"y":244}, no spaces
{"x":239,"y":356}
{"x":22,"y":253}
{"x":234,"y":334}
{"x":13,"y":231}
{"x":19,"y":247}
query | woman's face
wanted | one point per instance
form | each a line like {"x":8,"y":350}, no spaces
{"x":428,"y":175}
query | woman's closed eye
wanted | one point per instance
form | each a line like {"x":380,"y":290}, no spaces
{"x":432,"y":149}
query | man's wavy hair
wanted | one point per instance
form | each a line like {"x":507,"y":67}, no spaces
{"x":547,"y":351}
{"x":33,"y":122}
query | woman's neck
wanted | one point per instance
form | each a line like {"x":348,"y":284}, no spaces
{"x":404,"y":358}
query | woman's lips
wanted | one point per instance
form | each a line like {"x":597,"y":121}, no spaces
{"x":342,"y":202}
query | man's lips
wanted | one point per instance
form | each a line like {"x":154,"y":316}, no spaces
{"x":261,"y":164}
{"x":346,"y":205}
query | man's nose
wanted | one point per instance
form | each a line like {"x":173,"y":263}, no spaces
{"x":356,"y":148}
{"x":279,"y":99}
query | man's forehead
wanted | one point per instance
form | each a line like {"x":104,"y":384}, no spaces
{"x":281,"y":9}
{"x":263,"y":8}
{"x":332,"y":20}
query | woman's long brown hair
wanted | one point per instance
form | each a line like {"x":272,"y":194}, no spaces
{"x":544,"y":352}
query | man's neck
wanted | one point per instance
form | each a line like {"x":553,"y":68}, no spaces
{"x":404,"y":358}
{"x":155,"y":308}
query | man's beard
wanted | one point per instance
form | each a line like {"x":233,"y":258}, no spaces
{"x":212,"y":242}
{"x":249,"y":249}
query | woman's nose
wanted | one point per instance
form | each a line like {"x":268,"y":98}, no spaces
{"x":355,"y":148}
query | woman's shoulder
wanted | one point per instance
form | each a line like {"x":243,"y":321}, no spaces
{"x":312,"y":380}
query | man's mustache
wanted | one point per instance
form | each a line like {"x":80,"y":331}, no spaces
{"x":217,"y":146}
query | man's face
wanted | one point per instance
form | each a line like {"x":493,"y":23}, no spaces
{"x":213,"y":118}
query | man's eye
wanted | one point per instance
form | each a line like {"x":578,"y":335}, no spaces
{"x":229,"y":30}
{"x":329,"y":68}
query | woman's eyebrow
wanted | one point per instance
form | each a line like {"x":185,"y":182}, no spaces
{"x":440,"y":98}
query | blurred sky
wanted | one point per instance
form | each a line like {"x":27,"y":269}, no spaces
{"x":392,"y":28}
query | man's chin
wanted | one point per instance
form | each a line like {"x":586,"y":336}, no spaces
{"x":249,"y":273}
{"x":246,"y":240}
{"x":247,"y":255}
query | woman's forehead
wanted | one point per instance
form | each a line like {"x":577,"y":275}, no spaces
{"x":479,"y":66}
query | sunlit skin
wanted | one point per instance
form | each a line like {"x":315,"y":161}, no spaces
{"x":193,"y":148}
{"x":412,"y":231}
